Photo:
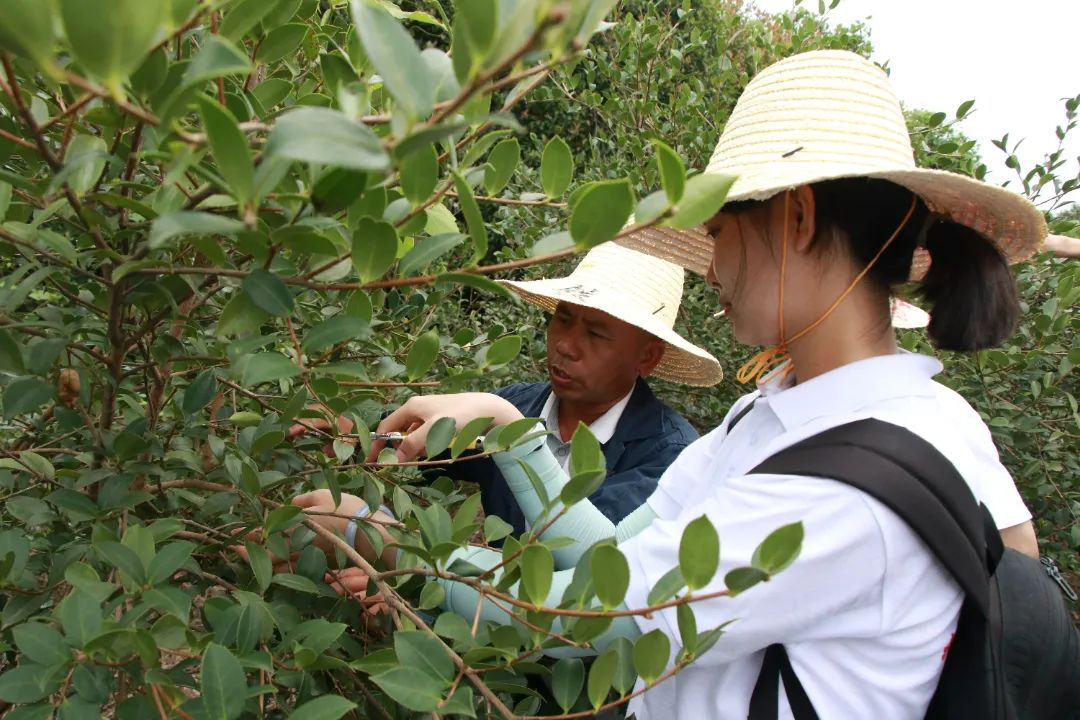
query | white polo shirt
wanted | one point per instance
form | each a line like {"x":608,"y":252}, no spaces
{"x":602,"y":427}
{"x":866,"y":613}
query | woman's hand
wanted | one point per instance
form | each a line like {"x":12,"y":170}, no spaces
{"x":318,"y":503}
{"x":418,"y":414}
{"x":302,"y":426}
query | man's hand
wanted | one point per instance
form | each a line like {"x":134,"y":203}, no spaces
{"x":421,"y":411}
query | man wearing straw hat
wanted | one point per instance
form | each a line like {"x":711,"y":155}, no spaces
{"x":610,"y":328}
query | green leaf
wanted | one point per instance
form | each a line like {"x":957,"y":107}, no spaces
{"x":26,"y":28}
{"x":168,"y":560}
{"x":394,"y":54}
{"x":111,"y":41}
{"x":703,"y":197}
{"x":332,"y":331}
{"x":440,"y":435}
{"x":601,"y":211}
{"x":423,"y":653}
{"x":610,"y":575}
{"x":328,"y":137}
{"x":374,"y":248}
{"x":26,"y":395}
{"x":601,"y":675}
{"x":422,"y":355}
{"x":419,"y":174}
{"x":476,"y":281}
{"x":467,"y":435}
{"x":267,"y":367}
{"x":261,"y":565}
{"x":473,"y":219}
{"x":415,"y":690}
{"x":556,"y":167}
{"x":124,"y":559}
{"x":936,"y":119}
{"x":230,"y":148}
{"x":651,"y":654}
{"x":502,"y":162}
{"x":200,"y":392}
{"x":223,"y":684}
{"x":779,"y":549}
{"x":586,"y":455}
{"x":338,"y":189}
{"x":625,"y":676}
{"x":40,"y":643}
{"x":269,"y":293}
{"x":11,"y":359}
{"x":327,"y":707}
{"x":537,"y":566}
{"x":964,"y":109}
{"x":243,"y":16}
{"x":240,"y":316}
{"x":478,"y":20}
{"x":495,"y":528}
{"x":743,"y":578}
{"x":427,"y":250}
{"x":296,"y":582}
{"x":185,"y":222}
{"x":699,"y":553}
{"x":431,"y":596}
{"x":688,"y":634}
{"x":84,"y":162}
{"x":672,"y":171}
{"x":27,"y":683}
{"x":502,"y":350}
{"x":217,"y":57}
{"x":281,"y":41}
{"x":666,"y":587}
{"x":567,"y":678}
{"x":435,"y":525}
{"x":80,"y":617}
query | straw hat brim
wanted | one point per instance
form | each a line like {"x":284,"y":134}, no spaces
{"x":683,"y":362}
{"x":1009,"y":221}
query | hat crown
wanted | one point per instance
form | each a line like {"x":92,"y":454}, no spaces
{"x":641,"y":283}
{"x":815,"y":110}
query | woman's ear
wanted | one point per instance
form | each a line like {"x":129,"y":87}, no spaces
{"x":802,"y":217}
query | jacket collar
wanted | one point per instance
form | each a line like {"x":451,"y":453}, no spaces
{"x":642,"y":417}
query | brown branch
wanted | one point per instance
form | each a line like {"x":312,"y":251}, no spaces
{"x":18,"y":140}
{"x":512,"y":201}
{"x":401,"y":606}
{"x":69,"y":110}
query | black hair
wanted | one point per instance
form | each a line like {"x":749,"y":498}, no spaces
{"x":969,"y":287}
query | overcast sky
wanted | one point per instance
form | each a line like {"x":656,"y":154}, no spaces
{"x":1017,"y":59}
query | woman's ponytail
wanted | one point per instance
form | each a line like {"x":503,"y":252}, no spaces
{"x":970,"y":289}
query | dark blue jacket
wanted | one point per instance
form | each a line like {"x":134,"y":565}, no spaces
{"x":647,"y":439}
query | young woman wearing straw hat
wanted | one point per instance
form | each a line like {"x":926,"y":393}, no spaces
{"x":827,"y":214}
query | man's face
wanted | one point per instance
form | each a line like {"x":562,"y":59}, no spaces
{"x":594,"y":358}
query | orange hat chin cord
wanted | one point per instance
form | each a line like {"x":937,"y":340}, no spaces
{"x":761,"y":367}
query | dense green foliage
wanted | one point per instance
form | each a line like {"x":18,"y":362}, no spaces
{"x":218,"y":217}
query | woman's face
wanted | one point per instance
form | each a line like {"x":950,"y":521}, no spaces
{"x":745,"y":271}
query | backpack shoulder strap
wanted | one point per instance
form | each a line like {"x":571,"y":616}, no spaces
{"x":913,"y":479}
{"x":910,"y":477}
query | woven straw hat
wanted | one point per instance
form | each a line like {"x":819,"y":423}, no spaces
{"x":635,"y":288}
{"x":831,"y":114}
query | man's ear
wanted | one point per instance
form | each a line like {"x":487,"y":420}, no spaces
{"x":802,"y":218}
{"x":651,"y":355}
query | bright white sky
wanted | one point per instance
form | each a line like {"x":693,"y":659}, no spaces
{"x":1017,"y":59}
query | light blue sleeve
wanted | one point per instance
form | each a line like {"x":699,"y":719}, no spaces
{"x":582,"y":522}
{"x":463,"y":600}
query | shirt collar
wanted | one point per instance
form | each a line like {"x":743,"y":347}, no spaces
{"x":602,"y":427}
{"x":850,"y":387}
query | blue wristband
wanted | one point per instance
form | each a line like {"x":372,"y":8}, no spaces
{"x":350,"y":529}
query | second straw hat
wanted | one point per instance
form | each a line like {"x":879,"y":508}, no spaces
{"x":638,"y":289}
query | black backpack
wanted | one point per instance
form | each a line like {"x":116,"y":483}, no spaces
{"x":1016,"y":652}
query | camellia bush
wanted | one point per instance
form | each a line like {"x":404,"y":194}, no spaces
{"x":218,"y":217}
